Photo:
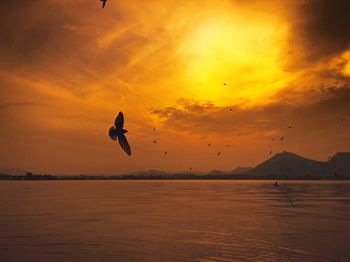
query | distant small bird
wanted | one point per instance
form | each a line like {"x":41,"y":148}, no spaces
{"x":103,"y":3}
{"x":290,"y":127}
{"x":282,"y":138}
{"x":225,"y":84}
{"x":117,"y":133}
{"x":219,"y":153}
{"x":276,"y":184}
{"x":209,"y":144}
{"x":154,"y":141}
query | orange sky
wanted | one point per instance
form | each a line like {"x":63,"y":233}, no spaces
{"x":69,"y":67}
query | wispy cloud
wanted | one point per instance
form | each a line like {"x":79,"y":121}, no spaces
{"x":197,"y":117}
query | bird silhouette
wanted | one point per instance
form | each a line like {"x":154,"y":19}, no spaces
{"x":117,"y":132}
{"x":276,"y":184}
{"x":103,"y":3}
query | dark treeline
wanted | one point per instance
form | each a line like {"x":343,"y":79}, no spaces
{"x":183,"y":176}
{"x":281,"y":166}
{"x":28,"y":176}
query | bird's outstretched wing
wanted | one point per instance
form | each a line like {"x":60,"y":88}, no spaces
{"x":123,"y":142}
{"x":119,"y":121}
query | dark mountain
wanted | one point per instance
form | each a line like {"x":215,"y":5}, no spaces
{"x":288,"y":165}
{"x":284,"y":165}
{"x":341,"y":159}
{"x":241,"y":170}
{"x":218,"y":172}
{"x":340,"y":163}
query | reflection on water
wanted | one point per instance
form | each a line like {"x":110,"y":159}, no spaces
{"x":174,"y":221}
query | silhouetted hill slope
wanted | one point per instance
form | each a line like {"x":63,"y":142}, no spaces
{"x":340,"y":163}
{"x":341,"y":160}
{"x":289,"y":165}
{"x":241,"y":170}
{"x":218,"y":172}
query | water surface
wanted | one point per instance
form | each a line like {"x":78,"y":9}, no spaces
{"x":174,"y":221}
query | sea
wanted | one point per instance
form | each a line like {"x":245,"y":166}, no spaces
{"x":174,"y":220}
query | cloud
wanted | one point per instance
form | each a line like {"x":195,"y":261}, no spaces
{"x":330,"y":105}
{"x":194,"y":116}
{"x":322,"y":27}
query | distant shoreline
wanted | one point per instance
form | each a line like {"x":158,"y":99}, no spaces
{"x":157,"y":177}
{"x":281,"y":166}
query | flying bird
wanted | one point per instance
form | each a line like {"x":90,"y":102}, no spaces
{"x":276,"y":184}
{"x":103,"y":3}
{"x":117,"y":132}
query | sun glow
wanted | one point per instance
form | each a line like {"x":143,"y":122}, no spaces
{"x":229,"y":60}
